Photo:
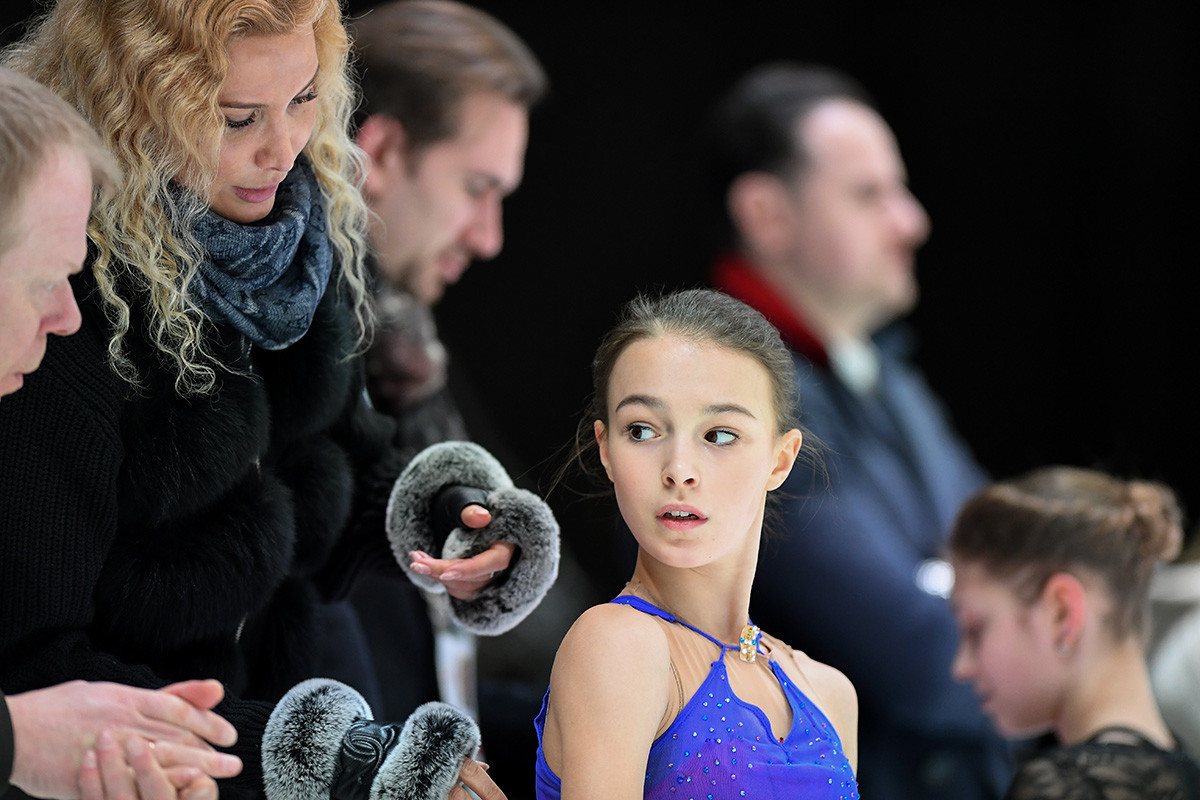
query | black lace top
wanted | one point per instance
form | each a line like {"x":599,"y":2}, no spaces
{"x":1114,"y":764}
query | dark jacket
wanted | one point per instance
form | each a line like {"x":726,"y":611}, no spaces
{"x":148,"y":537}
{"x":839,"y":574}
{"x":841,"y":579}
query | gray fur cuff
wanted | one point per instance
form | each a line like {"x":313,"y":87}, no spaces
{"x":307,"y":753}
{"x":302,"y":742}
{"x":518,"y":516}
{"x":425,"y":763}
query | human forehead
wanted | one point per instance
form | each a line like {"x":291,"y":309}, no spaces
{"x":845,"y":136}
{"x":686,"y":373}
{"x":262,"y":65}
{"x":977,"y":589}
{"x":51,"y":221}
{"x":490,"y":138}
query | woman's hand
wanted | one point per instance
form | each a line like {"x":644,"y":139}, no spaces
{"x":464,"y":578}
{"x":55,"y":727}
{"x":132,"y":771}
{"x":474,"y":777}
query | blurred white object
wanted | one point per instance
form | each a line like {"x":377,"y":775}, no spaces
{"x":935,"y":576}
{"x":1174,"y":649}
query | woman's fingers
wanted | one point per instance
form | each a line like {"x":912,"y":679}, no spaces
{"x":186,"y":706}
{"x":115,"y":775}
{"x":201,"y":787}
{"x":209,"y":762}
{"x":474,"y":776}
{"x":90,"y":785}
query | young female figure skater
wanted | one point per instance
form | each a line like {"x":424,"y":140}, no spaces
{"x":669,"y":690}
{"x":1052,"y":572}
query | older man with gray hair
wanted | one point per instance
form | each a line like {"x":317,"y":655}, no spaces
{"x":90,"y":740}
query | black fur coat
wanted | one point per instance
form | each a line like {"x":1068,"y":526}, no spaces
{"x":146,"y":537}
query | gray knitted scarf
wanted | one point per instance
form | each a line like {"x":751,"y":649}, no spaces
{"x":266,"y":279}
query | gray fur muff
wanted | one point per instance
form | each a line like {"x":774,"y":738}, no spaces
{"x":304,"y":737}
{"x":518,"y":516}
{"x":425,"y":763}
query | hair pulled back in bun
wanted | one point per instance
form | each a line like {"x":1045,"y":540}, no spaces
{"x":1068,"y":519}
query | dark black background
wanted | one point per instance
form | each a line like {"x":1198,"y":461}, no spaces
{"x":1055,"y":153}
{"x":1053,"y":148}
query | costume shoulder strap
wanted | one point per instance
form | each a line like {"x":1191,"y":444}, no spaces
{"x":647,"y":607}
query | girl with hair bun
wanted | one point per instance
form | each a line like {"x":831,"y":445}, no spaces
{"x":1052,"y":575}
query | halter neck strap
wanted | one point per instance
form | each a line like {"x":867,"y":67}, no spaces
{"x":647,"y":607}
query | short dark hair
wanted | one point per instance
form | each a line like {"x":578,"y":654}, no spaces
{"x":752,"y":128}
{"x":418,"y":59}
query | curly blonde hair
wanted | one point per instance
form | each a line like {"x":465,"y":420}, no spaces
{"x":146,"y":74}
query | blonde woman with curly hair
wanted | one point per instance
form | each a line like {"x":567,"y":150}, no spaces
{"x":195,"y":481}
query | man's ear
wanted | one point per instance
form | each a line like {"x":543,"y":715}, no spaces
{"x":785,"y":457}
{"x":1065,"y":598}
{"x":602,"y":443}
{"x":383,"y":139}
{"x":760,"y":208}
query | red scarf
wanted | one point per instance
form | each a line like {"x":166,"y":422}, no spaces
{"x":737,"y":277}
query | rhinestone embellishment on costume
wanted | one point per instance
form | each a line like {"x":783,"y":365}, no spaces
{"x":749,"y":643}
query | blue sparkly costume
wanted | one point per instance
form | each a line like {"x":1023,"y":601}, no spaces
{"x":719,"y":747}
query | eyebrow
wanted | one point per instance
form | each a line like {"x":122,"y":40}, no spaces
{"x":253,"y":106}
{"x":658,"y":405}
{"x":641,"y":400}
{"x":492,"y":181}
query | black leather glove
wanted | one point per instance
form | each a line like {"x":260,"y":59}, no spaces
{"x":448,"y":506}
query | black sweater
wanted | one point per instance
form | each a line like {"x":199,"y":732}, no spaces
{"x":146,"y":537}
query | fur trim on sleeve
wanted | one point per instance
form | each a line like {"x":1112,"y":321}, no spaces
{"x":518,"y":516}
